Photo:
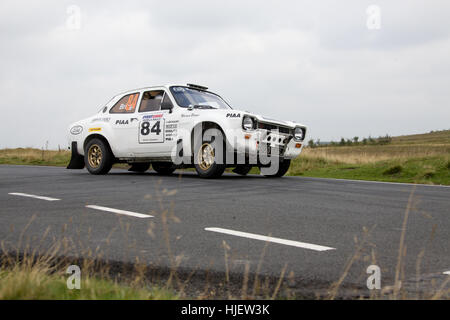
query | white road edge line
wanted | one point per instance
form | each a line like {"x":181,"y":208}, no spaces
{"x":447,"y":272}
{"x":33,"y":196}
{"x":381,"y":182}
{"x":118,"y":211}
{"x":271,"y":239}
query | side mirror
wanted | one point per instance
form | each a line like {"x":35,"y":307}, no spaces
{"x":170,"y":108}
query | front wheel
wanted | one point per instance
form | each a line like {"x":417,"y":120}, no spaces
{"x":206,"y":164}
{"x":98,"y":157}
{"x":282,"y":169}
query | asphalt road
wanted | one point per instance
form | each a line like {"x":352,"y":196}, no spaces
{"x":315,"y":225}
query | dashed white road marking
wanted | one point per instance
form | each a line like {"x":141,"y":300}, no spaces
{"x":447,"y":272}
{"x":32,"y":196}
{"x":271,"y":239}
{"x":118,"y":211}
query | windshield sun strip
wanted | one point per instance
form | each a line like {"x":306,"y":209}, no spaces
{"x":195,"y":89}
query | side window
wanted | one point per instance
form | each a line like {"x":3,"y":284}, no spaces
{"x":126,"y":105}
{"x":151,"y":101}
{"x":166,"y":104}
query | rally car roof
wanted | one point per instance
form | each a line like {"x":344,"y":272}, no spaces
{"x":196,"y":86}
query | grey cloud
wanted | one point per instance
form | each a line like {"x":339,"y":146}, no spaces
{"x":307,"y":61}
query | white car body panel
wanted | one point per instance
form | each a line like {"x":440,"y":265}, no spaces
{"x":123,"y":130}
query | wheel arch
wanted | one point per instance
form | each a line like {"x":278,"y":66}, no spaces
{"x":98,"y":136}
{"x":204,"y":126}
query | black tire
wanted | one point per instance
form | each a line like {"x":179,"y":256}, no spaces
{"x":139,"y":167}
{"x":163,"y":168}
{"x":243,"y":170}
{"x":212,"y":169}
{"x":93,"y":163}
{"x":282,"y":169}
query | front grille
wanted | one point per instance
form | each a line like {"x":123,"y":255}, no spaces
{"x":273,"y":127}
{"x":265,"y":148}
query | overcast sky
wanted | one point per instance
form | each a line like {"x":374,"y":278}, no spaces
{"x":332,"y":65}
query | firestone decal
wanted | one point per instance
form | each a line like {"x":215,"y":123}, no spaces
{"x":152,"y":116}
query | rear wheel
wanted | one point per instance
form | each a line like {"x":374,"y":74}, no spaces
{"x":139,"y":167}
{"x":206,"y":164}
{"x":282,"y":169}
{"x":243,"y":170}
{"x":163,"y":168}
{"x":98,"y":157}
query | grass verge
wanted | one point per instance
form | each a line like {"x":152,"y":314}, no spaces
{"x":30,"y":156}
{"x":423,"y":158}
{"x":39,"y":280}
{"x":419,"y":158}
{"x":37,"y":285}
{"x":430,"y":170}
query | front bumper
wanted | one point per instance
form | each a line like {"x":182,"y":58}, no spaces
{"x":268,"y":142}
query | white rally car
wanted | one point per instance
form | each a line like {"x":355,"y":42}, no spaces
{"x":182,"y":126}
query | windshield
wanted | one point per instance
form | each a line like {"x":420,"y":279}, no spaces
{"x":185,"y":97}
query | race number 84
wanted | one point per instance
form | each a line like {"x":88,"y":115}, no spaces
{"x":145,"y":128}
{"x":151,"y":131}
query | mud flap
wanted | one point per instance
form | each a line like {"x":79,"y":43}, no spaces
{"x":77,"y":160}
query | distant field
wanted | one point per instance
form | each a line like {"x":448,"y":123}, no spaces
{"x":420,"y":158}
{"x":32,"y":156}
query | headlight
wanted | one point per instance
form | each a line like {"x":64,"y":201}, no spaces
{"x":299,"y":133}
{"x":247,"y":123}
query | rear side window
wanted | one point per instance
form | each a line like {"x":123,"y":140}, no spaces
{"x":126,"y":105}
{"x":151,"y":101}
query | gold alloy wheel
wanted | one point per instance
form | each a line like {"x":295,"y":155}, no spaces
{"x":95,"y":156}
{"x":205,"y":156}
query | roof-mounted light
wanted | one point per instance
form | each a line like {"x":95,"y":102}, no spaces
{"x":196,"y":86}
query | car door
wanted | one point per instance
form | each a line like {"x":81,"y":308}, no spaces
{"x":124,"y":123}
{"x":156,"y":134}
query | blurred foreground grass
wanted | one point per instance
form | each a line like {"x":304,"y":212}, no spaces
{"x":35,"y":284}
